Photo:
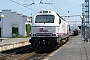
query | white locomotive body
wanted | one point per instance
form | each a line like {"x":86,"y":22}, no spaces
{"x":48,"y":30}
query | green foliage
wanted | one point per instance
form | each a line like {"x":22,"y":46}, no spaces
{"x":16,"y":35}
{"x":28,"y":29}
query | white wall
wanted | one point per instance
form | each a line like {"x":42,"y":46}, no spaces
{"x":12,"y":19}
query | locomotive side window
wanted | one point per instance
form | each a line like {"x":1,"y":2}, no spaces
{"x":59,"y":21}
{"x":44,"y":19}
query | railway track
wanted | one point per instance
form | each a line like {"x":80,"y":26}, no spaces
{"x":41,"y":55}
{"x":14,"y":56}
{"x":17,"y":54}
{"x":25,"y":53}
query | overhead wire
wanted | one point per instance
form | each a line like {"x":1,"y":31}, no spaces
{"x":46,"y":3}
{"x":54,"y":6}
{"x":70,"y":16}
{"x":61,"y":12}
{"x":29,"y":4}
{"x":41,"y":2}
{"x":57,"y":7}
{"x":22,"y":5}
{"x":65,"y":10}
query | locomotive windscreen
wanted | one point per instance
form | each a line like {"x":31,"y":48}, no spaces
{"x":44,"y":19}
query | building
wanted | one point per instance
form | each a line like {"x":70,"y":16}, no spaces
{"x":12,"y":23}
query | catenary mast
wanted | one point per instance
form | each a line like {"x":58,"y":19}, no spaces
{"x":86,"y":21}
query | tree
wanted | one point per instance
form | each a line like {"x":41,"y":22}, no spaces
{"x":28,"y":29}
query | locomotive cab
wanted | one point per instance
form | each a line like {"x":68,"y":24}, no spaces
{"x":48,"y":29}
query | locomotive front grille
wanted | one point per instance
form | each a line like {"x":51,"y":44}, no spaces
{"x":44,"y":34}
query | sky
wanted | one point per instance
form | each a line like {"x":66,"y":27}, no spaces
{"x":60,"y":6}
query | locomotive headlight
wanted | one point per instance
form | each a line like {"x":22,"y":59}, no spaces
{"x":34,"y":34}
{"x":53,"y":34}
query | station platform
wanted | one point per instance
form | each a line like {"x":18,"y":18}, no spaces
{"x":11,"y":43}
{"x":75,"y":49}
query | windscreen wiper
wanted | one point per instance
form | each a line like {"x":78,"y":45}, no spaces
{"x":48,"y":21}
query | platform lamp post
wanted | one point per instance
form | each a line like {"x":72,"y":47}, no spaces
{"x":81,"y":26}
{"x":1,"y":19}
